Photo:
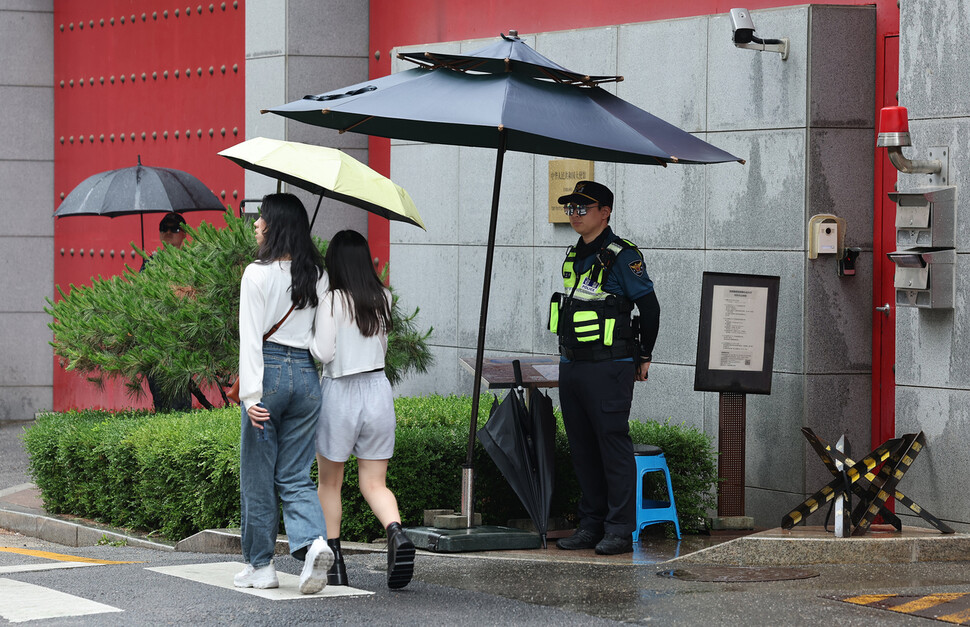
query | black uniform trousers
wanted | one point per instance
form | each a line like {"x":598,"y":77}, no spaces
{"x":595,"y":398}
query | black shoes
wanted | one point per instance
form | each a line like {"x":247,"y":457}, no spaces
{"x":612,"y":544}
{"x":400,"y":557}
{"x":582,"y":539}
{"x":337,"y":575}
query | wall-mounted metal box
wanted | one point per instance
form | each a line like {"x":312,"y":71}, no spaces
{"x":925,"y":218}
{"x":924,"y":278}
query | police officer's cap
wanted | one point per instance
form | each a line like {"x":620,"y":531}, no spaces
{"x":589,"y":191}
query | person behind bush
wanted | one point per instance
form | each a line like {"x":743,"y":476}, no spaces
{"x":280,"y":397}
{"x":357,"y":412}
{"x":170,"y":233}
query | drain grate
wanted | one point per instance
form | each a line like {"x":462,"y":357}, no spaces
{"x":727,"y":574}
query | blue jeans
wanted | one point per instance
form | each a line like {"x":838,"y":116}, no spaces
{"x":277,"y":468}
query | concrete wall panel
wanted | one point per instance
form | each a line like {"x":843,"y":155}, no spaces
{"x":29,"y":189}
{"x":840,"y":180}
{"x":838,"y":317}
{"x":933,"y":59}
{"x":435,"y":295}
{"x":645,"y":57}
{"x":306,"y":20}
{"x":476,"y":168}
{"x":27,"y":58}
{"x":29,"y":135}
{"x":677,"y":276}
{"x":749,"y":89}
{"x":759,"y":205}
{"x":22,"y":364}
{"x":937,"y":479}
{"x":661,"y":207}
{"x":586,"y":51}
{"x":837,"y":404}
{"x":430,"y":173}
{"x":932,"y":345}
{"x":33,"y":280}
{"x":510,"y":327}
{"x":842,"y":65}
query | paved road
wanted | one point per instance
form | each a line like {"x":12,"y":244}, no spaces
{"x":472,"y":589}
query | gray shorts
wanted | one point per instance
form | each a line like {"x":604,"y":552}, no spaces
{"x":356,"y":417}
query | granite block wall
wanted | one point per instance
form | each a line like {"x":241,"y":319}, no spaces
{"x":296,"y":47}
{"x":27,"y":181}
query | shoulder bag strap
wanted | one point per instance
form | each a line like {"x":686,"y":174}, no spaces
{"x":276,"y":326}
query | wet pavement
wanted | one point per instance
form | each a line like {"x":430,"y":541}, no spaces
{"x":851,"y":581}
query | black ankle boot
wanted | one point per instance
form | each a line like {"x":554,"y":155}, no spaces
{"x":400,"y":557}
{"x":337,"y":575}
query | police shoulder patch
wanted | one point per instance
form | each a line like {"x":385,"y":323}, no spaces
{"x":636,"y":267}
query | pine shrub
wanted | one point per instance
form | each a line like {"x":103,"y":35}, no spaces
{"x":177,"y":320}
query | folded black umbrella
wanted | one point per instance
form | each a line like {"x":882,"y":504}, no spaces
{"x":521,"y":443}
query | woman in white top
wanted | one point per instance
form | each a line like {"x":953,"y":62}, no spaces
{"x":280,"y":396}
{"x":357,"y":413}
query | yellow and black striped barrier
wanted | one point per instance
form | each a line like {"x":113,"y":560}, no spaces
{"x":894,"y":458}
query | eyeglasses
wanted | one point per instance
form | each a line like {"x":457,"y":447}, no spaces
{"x":169,"y":229}
{"x":579,"y":210}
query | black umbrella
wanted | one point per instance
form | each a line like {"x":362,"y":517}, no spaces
{"x":508,"y":97}
{"x":521,"y":443}
{"x":138,"y":190}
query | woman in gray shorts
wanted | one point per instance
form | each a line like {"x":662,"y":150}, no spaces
{"x":357,"y":410}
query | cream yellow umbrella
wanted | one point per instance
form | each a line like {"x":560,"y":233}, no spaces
{"x":327,"y":172}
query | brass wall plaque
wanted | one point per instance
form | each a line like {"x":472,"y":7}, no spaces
{"x":563,"y":176}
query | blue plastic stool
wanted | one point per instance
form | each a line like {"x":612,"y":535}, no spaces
{"x":651,"y":459}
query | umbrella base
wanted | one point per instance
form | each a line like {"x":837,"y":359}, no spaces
{"x":483,"y":538}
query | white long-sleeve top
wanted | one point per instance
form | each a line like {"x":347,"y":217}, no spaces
{"x":263,"y":300}
{"x":352,"y":353}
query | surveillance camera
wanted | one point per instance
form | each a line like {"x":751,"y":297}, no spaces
{"x":743,"y":26}
{"x":744,"y":36}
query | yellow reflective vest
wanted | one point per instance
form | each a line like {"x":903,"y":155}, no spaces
{"x":592,"y":325}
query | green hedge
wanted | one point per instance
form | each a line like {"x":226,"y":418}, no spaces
{"x":176,"y":474}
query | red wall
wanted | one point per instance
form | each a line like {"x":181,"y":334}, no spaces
{"x":135,"y":44}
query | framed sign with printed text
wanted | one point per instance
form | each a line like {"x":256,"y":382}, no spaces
{"x":736,"y":333}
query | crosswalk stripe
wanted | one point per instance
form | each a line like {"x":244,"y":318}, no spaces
{"x":220,"y":574}
{"x":20,"y":602}
{"x":59,"y":556}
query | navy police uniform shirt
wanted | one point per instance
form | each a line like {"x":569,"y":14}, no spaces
{"x":627,"y":277}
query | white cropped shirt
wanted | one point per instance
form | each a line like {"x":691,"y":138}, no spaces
{"x":353,"y":353}
{"x":264,"y":299}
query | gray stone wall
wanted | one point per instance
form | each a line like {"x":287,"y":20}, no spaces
{"x":27,"y":206}
{"x":295,"y":48}
{"x":932,"y":347}
{"x":805,"y":126}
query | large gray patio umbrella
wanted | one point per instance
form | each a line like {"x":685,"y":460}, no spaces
{"x":138,"y":190}
{"x":508,"y":97}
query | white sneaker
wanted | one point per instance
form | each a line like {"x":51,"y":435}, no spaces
{"x":319,"y":557}
{"x":262,"y":578}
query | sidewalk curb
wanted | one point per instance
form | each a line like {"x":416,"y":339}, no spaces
{"x":69,"y":533}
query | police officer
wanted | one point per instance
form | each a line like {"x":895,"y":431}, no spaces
{"x":603,"y":350}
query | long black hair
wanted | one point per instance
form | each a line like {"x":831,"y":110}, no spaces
{"x":288,"y":237}
{"x":352,"y":272}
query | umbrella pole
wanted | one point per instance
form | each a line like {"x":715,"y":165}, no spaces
{"x":141,"y":218}
{"x":319,"y":200}
{"x":468,"y":470}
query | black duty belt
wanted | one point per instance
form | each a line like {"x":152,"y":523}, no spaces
{"x":596,"y":354}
